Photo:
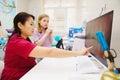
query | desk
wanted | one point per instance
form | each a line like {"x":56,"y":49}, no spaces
{"x":59,"y":69}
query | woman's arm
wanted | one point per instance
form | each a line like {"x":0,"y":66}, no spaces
{"x":40,"y":52}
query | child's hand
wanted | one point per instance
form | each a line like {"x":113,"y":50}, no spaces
{"x":48,"y":31}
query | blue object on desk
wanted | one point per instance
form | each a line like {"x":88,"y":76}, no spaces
{"x":57,"y":38}
{"x":116,"y":71}
{"x":102,"y":41}
{"x":78,"y":30}
{"x":2,"y":41}
{"x":71,"y":33}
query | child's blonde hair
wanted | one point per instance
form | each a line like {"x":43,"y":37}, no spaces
{"x":39,"y":27}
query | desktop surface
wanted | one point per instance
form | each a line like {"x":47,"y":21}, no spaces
{"x":60,"y":69}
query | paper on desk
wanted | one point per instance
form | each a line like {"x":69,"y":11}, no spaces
{"x":85,"y":65}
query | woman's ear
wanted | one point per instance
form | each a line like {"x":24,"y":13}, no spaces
{"x":20,"y":25}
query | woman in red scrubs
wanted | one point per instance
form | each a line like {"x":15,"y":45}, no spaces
{"x":20,"y":52}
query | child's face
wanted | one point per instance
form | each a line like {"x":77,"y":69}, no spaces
{"x":44,"y":22}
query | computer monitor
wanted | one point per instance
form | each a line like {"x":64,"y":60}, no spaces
{"x":104,"y":24}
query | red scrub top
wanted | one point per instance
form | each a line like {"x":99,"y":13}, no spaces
{"x":17,"y":60}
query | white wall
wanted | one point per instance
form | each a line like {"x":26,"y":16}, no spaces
{"x":34,"y":7}
{"x":22,"y":6}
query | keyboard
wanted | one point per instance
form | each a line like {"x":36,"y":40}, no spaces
{"x":96,"y":62}
{"x":85,"y":65}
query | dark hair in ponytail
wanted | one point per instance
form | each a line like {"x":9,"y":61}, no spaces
{"x":20,"y":17}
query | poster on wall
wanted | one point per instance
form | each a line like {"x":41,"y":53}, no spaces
{"x":7,"y":13}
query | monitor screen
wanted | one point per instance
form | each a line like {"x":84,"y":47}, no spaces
{"x":104,"y":24}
